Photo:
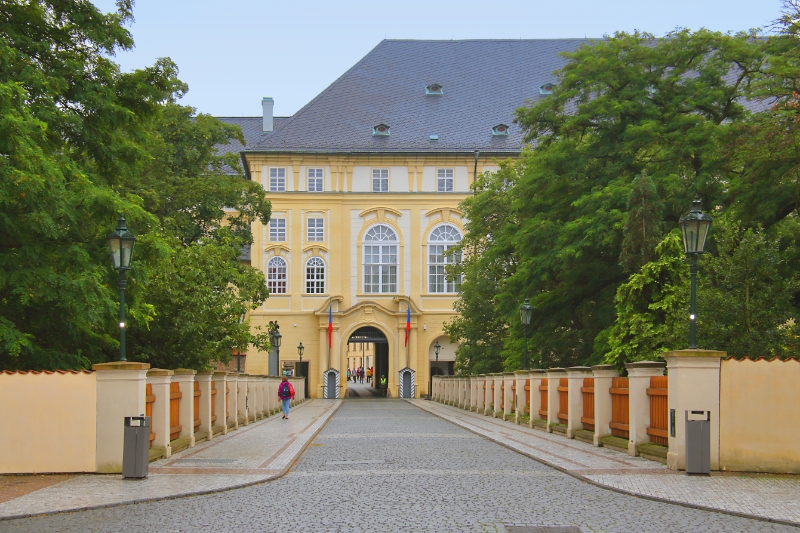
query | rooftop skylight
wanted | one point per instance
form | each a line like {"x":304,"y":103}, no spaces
{"x":380,"y":129}
{"x":547,"y":88}
{"x":500,"y":129}
{"x":434,"y":88}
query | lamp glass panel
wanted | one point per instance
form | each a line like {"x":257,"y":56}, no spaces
{"x":114,"y":244}
{"x":702,"y":233}
{"x":126,"y":252}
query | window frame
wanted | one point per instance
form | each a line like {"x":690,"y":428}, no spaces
{"x":319,"y":231}
{"x":381,"y":179}
{"x":437,"y":269}
{"x":277,"y":187}
{"x":451,"y":179}
{"x":379,"y":274}
{"x":315,"y":280}
{"x":277,"y":275}
{"x":320,"y":179}
{"x":277,"y":229}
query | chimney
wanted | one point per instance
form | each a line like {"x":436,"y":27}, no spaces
{"x":266,"y":105}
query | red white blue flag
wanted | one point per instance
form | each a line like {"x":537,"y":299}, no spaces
{"x":330,"y":326}
{"x":408,"y":323}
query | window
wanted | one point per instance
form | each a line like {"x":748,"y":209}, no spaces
{"x":316,"y":232}
{"x":434,"y":88}
{"x":315,"y":276}
{"x":547,"y":88}
{"x":277,"y":230}
{"x":380,"y":260}
{"x":442,"y":238}
{"x":381,"y":130}
{"x":315,"y":179}
{"x":444,"y":180}
{"x":276,"y":275}
{"x":380,"y":180}
{"x":500,"y":129}
{"x":277,"y":179}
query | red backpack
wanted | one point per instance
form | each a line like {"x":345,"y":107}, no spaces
{"x":285,"y":391}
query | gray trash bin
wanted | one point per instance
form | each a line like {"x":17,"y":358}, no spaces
{"x":698,"y":442}
{"x":136,"y":447}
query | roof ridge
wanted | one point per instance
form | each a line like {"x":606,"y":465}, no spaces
{"x":505,"y":39}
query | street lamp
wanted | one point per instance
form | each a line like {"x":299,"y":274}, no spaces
{"x":436,"y":348}
{"x":300,"y":349}
{"x":121,"y":242}
{"x":694,"y":226}
{"x":525,"y":314}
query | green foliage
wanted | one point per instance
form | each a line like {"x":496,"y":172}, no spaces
{"x":642,"y":230}
{"x":81,"y":141}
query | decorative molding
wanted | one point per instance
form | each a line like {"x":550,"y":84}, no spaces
{"x":315,"y":248}
{"x":380,"y":212}
{"x":276,"y":246}
{"x":445,"y":212}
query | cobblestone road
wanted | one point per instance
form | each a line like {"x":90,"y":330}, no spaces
{"x":385,"y":465}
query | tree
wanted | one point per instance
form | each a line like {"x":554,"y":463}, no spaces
{"x":642,"y":231}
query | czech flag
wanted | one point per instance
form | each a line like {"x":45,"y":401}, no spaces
{"x":330,"y":327}
{"x":408,"y":323}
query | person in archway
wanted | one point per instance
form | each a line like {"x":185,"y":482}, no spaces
{"x":383,"y":384}
{"x":348,"y":374}
{"x":286,"y":394}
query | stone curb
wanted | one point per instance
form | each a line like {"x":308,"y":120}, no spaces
{"x":191,"y":493}
{"x":607,"y":487}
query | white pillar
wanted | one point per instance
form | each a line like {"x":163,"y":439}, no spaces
{"x":575,"y":376}
{"x":554,"y":376}
{"x":219,"y":405}
{"x":639,"y":375}
{"x":603,"y":375}
{"x":693,"y":386}
{"x":185,"y":377}
{"x":509,"y":380}
{"x":204,"y":380}
{"x":231,"y":382}
{"x":120,"y":393}
{"x":536,"y":377}
{"x":160,"y":379}
{"x":480,"y":395}
{"x":497,"y":407}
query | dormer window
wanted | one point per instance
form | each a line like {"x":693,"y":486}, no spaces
{"x":547,"y":88}
{"x":500,"y":129}
{"x":380,"y":129}
{"x":434,"y":88}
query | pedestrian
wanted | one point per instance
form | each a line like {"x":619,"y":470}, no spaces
{"x":383,"y":385}
{"x":348,"y":374}
{"x":286,"y":395}
{"x":361,"y":375}
{"x":369,"y":375}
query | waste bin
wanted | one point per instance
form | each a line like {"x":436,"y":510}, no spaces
{"x":136,"y":447}
{"x":698,"y":442}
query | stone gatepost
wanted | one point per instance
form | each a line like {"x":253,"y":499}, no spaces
{"x":509,"y":380}
{"x":121,"y":388}
{"x":536,"y":377}
{"x":473,"y":395}
{"x":219,"y":405}
{"x":231,"y":382}
{"x":639,"y":375}
{"x":159,"y":379}
{"x":520,"y":377}
{"x":497,"y":401}
{"x":485,"y":394}
{"x":603,"y":375}
{"x":554,"y":376}
{"x":467,"y":393}
{"x":241,"y":398}
{"x":185,"y":377}
{"x":252,"y":398}
{"x":693,"y":385}
{"x":204,"y":378}
{"x":434,"y":392}
{"x":272,"y":394}
{"x":575,"y":377}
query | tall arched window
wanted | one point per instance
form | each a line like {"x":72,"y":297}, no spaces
{"x":380,"y":260}
{"x":441,"y":239}
{"x":276,"y":275}
{"x":315,"y":276}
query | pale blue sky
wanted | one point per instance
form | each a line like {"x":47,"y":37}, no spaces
{"x":232,"y":53}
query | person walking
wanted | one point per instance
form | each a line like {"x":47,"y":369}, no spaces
{"x":286,"y":395}
{"x":348,"y":374}
{"x":369,"y":375}
{"x":361,"y":375}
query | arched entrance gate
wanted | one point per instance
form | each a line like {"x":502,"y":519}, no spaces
{"x":374,"y":336}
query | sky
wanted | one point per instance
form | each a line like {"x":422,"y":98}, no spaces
{"x":233,"y":53}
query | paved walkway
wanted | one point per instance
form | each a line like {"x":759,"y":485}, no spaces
{"x":255,"y":453}
{"x":387,"y":466}
{"x":767,"y":496}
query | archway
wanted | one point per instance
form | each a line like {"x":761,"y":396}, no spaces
{"x":376,"y":339}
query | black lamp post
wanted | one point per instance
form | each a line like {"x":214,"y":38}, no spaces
{"x":436,"y":348}
{"x":525,"y":314}
{"x":300,"y":349}
{"x":121,"y":242}
{"x":694,"y":226}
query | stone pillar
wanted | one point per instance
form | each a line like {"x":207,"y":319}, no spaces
{"x":219,"y":399}
{"x":603,"y":374}
{"x":120,"y":392}
{"x":252,"y":398}
{"x":575,"y":375}
{"x":160,"y":379}
{"x":272,"y":393}
{"x":467,"y":393}
{"x":639,"y":375}
{"x":693,"y":386}
{"x":473,"y":397}
{"x":434,"y":388}
{"x":520,"y":377}
{"x":204,"y":380}
{"x":536,"y":377}
{"x":497,"y":402}
{"x":554,"y":376}
{"x":185,"y":377}
{"x":509,"y":380}
{"x":480,"y":395}
{"x":232,"y":387}
{"x":241,"y":397}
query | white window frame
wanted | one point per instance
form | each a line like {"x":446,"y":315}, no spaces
{"x":315,"y":230}
{"x":277,"y":179}
{"x":277,"y":275}
{"x":380,"y":260}
{"x":442,"y":238}
{"x":380,"y":177}
{"x":277,"y":230}
{"x":315,"y":275}
{"x":315,"y":179}
{"x":445,"y":180}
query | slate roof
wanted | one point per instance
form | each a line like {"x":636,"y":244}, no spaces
{"x":483,"y":81}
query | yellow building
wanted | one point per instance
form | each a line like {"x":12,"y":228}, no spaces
{"x":365,"y":183}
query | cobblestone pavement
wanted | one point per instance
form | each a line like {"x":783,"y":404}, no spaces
{"x":257,"y":452}
{"x":362,"y":390}
{"x":385,"y":465}
{"x":774,"y":497}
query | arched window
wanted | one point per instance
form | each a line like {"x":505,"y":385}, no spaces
{"x":276,"y":275}
{"x":441,"y":239}
{"x":380,"y":260}
{"x":315,"y":276}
